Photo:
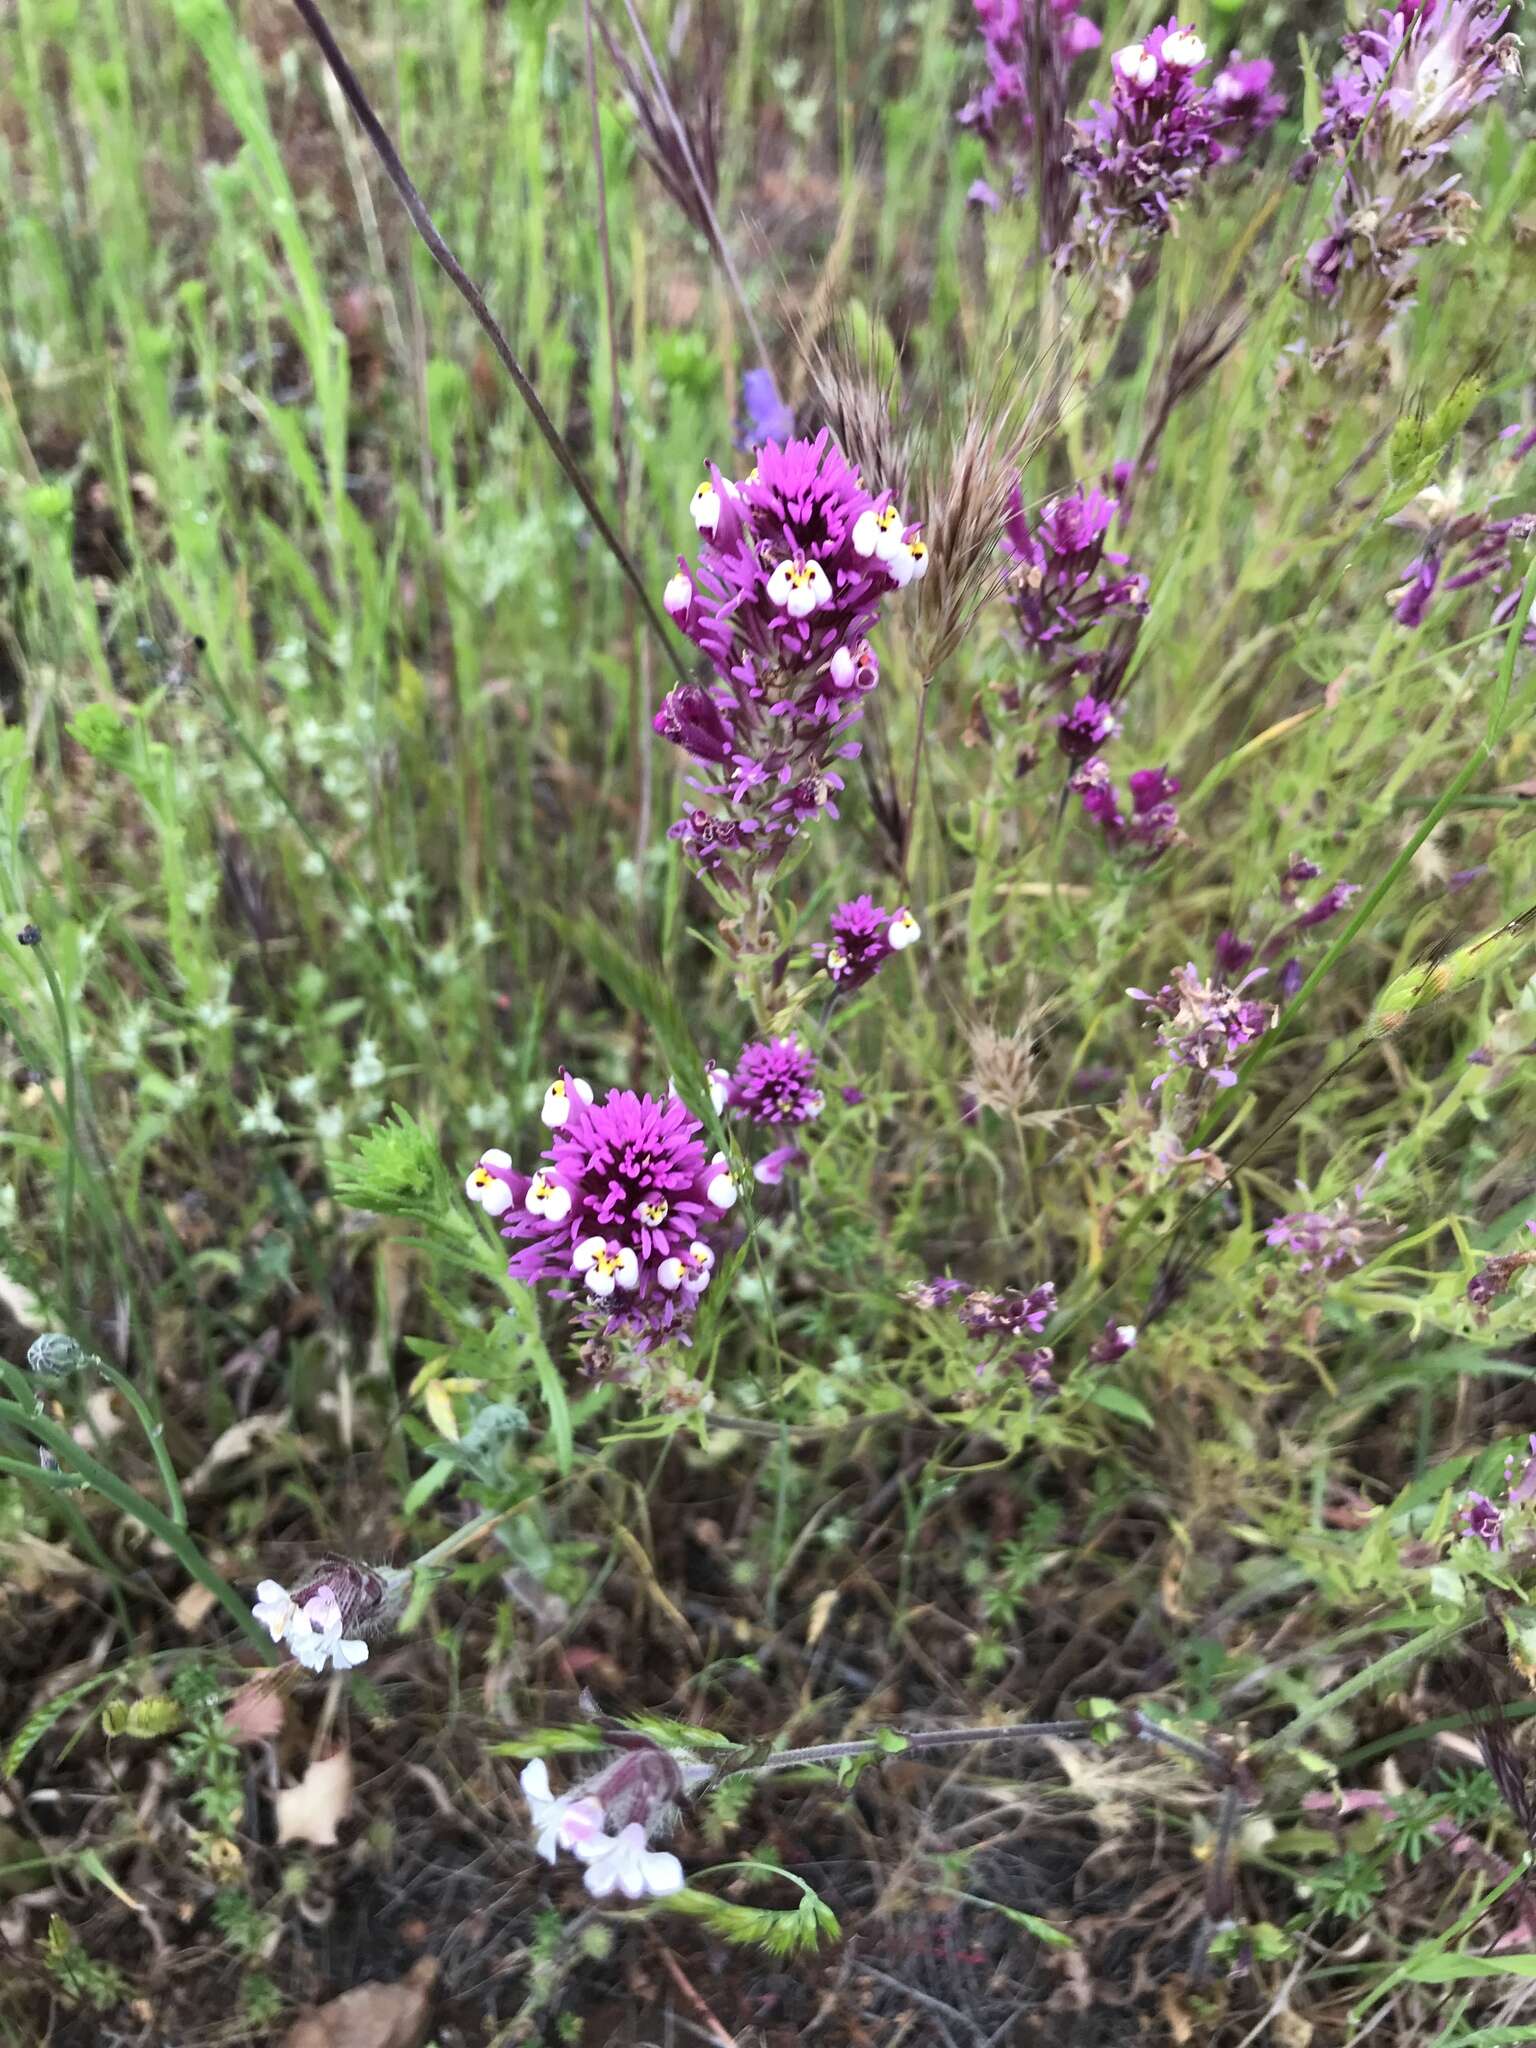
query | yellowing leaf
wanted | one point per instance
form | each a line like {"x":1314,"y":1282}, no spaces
{"x":439,"y":1405}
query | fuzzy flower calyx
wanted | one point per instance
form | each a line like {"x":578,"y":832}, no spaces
{"x":323,"y":1620}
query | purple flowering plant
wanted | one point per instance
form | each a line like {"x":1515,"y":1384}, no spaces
{"x":795,"y":561}
{"x":1411,"y":79}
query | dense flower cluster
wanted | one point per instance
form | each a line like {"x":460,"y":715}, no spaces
{"x":1088,"y":726}
{"x":1067,"y":581}
{"x":775,"y":1083}
{"x":626,"y":1212}
{"x":1474,"y":546}
{"x":1484,"y":1519}
{"x":794,"y":563}
{"x":1496,"y":1276}
{"x":322,"y":1620}
{"x":864,"y":937}
{"x":608,"y":1820}
{"x":1205,"y":1024}
{"x":1152,"y":822}
{"x":1410,"y":80}
{"x":996,"y":1320}
{"x":1031,"y":46}
{"x":1325,"y":1240}
{"x":1162,"y":132}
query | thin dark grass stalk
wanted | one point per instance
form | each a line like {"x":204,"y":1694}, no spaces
{"x":463,"y":284}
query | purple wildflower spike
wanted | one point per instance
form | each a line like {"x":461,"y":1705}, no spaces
{"x":1143,"y":153}
{"x":794,"y":563}
{"x":1206,"y":1023}
{"x":625,"y":1214}
{"x":864,"y":937}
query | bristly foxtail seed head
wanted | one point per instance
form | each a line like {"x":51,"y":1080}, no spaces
{"x":1421,"y":987}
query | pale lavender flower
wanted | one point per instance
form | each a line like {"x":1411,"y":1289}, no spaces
{"x":1205,"y":1023}
{"x":1412,"y":77}
{"x":324,"y":1618}
{"x":1249,"y":106}
{"x":1325,"y":1240}
{"x":1473,"y":546}
{"x":772,"y":1167}
{"x":1089,"y":725}
{"x":768,"y":417}
{"x":1152,"y":823}
{"x":1035,"y":1368}
{"x":864,"y":937}
{"x":1116,"y":1341}
{"x":608,"y":1820}
{"x":1479,"y":1518}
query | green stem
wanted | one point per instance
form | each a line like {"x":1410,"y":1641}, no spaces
{"x":154,"y":1434}
{"x":71,"y":1135}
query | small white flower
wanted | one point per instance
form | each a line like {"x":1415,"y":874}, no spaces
{"x":719,"y":1082}
{"x":799,"y":587}
{"x":623,"y":1863}
{"x":274,"y":1609}
{"x":669,"y":1274}
{"x":570,"y":1823}
{"x":605,"y":1269}
{"x":678,"y":596}
{"x":841,"y":667}
{"x":1126,"y":1332}
{"x":1183,"y":49}
{"x":653,"y":1214}
{"x":557,"y":1101}
{"x":705,"y":507}
{"x":904,"y":931}
{"x":315,"y":1638}
{"x":721,"y":1191}
{"x":546,"y":1197}
{"x":482,"y":1186}
{"x":261,"y":1120}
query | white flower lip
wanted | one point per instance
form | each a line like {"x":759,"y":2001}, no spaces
{"x":556,"y":1110}
{"x":604,"y":1269}
{"x":904,"y":931}
{"x":1136,"y":64}
{"x":1183,"y":49}
{"x":721,"y":1191}
{"x":483,"y":1187}
{"x":623,"y":1863}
